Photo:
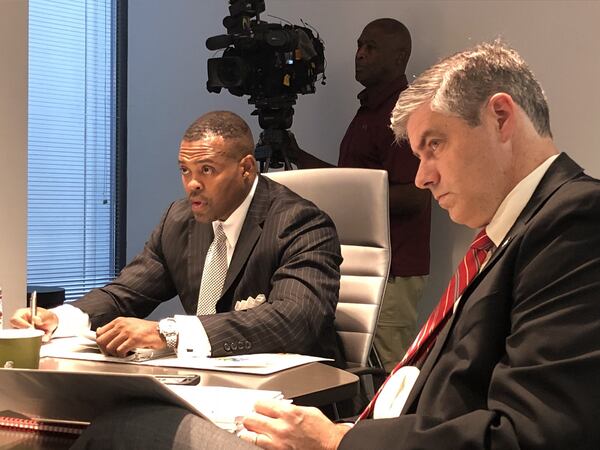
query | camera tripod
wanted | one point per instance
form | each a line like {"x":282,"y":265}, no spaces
{"x":276,"y":149}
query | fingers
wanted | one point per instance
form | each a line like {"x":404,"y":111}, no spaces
{"x":259,"y":423}
{"x":21,"y":318}
{"x":127,"y":333}
{"x":273,"y":423}
{"x":260,"y":440}
{"x":274,"y":408}
{"x":280,"y":425}
{"x":265,"y":418}
{"x":44,"y":320}
{"x":283,"y":409}
{"x":113,"y":340}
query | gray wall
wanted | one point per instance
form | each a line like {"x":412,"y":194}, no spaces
{"x":167,"y":76}
{"x":13,"y":153}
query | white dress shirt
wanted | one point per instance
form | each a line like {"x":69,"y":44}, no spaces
{"x":394,"y":394}
{"x":193,"y":340}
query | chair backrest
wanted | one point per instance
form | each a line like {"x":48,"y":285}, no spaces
{"x":357,"y":201}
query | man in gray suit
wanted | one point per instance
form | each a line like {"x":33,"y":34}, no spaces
{"x":279,"y":256}
{"x":514,"y":361}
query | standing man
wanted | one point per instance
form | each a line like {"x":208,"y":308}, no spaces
{"x":236,"y":236}
{"x":380,"y":64}
{"x":510,"y":358}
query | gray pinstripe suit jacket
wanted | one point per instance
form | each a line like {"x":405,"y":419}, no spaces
{"x":288,"y":250}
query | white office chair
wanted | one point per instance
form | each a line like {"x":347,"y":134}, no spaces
{"x":357,"y":201}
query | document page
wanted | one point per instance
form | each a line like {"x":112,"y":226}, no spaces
{"x":82,"y":347}
{"x":222,"y":405}
{"x":259,"y":363}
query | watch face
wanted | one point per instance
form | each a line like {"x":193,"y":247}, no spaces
{"x":168,"y":326}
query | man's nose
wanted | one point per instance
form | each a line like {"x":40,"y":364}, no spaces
{"x":360,"y":53}
{"x":194,"y":185}
{"x":427,"y":175}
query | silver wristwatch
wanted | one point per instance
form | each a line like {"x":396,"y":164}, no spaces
{"x":168,"y":329}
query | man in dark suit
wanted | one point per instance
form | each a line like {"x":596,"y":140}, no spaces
{"x":516,"y":362}
{"x":280,"y":252}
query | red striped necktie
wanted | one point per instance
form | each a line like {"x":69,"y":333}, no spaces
{"x":465,"y":272}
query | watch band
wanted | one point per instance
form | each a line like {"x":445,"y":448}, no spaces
{"x":171,"y":339}
{"x":167,"y":328}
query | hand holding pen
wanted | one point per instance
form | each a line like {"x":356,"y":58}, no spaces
{"x":40,"y":318}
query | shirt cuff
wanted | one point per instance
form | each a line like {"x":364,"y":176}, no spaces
{"x":193,"y":341}
{"x":71,"y":321}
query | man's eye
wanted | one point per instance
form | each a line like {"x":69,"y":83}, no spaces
{"x":207,"y":170}
{"x":184,"y":170}
{"x":434,"y":144}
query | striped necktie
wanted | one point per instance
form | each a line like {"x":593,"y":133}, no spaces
{"x":213,"y":275}
{"x":465,"y":272}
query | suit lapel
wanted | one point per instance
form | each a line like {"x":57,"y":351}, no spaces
{"x":562,"y":170}
{"x":250,"y":233}
{"x":445,"y":332}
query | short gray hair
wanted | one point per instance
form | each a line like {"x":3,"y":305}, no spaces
{"x":460,"y":84}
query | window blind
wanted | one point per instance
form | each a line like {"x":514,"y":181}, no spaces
{"x":72,"y":181}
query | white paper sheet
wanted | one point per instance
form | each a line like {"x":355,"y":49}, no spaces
{"x":222,"y":405}
{"x":259,"y":363}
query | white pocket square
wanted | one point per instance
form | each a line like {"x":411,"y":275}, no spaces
{"x":250,"y":302}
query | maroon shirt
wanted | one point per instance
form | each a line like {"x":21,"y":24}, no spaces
{"x":369,"y":143}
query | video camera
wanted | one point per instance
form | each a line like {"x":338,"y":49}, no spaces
{"x":271,"y":63}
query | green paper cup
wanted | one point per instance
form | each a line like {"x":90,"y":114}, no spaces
{"x":20,"y":348}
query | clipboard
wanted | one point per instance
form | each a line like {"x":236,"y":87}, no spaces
{"x":79,"y":396}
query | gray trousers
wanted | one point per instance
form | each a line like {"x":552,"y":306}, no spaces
{"x":144,"y":425}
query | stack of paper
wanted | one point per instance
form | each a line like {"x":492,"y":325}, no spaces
{"x":222,"y":405}
{"x":259,"y":363}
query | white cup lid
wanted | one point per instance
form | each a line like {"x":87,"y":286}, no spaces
{"x":15,"y":333}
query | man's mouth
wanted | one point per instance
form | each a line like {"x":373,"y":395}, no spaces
{"x":441,"y":199}
{"x":197,"y":203}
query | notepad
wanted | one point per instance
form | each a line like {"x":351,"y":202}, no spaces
{"x":17,"y":421}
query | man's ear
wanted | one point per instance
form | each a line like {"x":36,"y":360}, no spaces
{"x":247,"y":166}
{"x":400,"y":61}
{"x":503,"y":110}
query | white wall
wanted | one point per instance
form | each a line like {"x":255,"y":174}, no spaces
{"x":167,"y":77}
{"x":13,"y":153}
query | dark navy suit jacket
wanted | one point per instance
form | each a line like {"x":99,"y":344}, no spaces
{"x":518,"y":364}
